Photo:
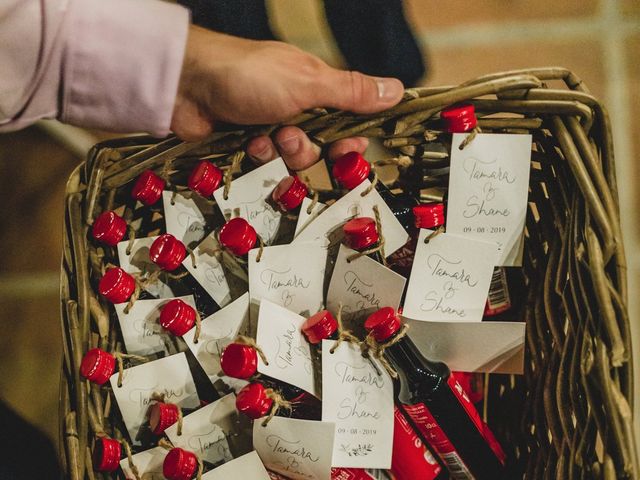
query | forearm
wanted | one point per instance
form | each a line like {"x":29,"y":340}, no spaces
{"x":110,"y":65}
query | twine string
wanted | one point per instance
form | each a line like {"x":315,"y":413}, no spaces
{"x":314,"y":194}
{"x":141,"y":284}
{"x":279,"y":403}
{"x":165,"y":172}
{"x":160,"y":398}
{"x":377,"y":248}
{"x":192,"y":256}
{"x":196,"y":334}
{"x":132,"y":466}
{"x":469,"y":138}
{"x":250,"y":342}
{"x":120,"y":359}
{"x":374,"y":182}
{"x":165,"y":443}
{"x":261,"y":249}
{"x":236,"y":158}
{"x":377,"y":349}
{"x":343,"y":335}
{"x":434,"y":234}
{"x":132,"y":239}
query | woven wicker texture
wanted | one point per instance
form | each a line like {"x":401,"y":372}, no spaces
{"x":569,"y":416}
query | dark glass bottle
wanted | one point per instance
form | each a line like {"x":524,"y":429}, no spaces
{"x":437,"y":405}
{"x":254,"y":402}
{"x":411,"y":458}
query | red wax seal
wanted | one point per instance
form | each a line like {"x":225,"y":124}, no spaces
{"x":109,"y":228}
{"x":116,"y":285}
{"x":319,"y":326}
{"x":383,"y":323}
{"x":205,"y":178}
{"x":289,"y":193}
{"x":360,"y":233}
{"x":351,"y":169}
{"x":238,"y":236}
{"x":179,"y":464}
{"x":97,"y":366}
{"x":162,"y":416}
{"x":253,"y":401}
{"x":459,"y":118}
{"x":167,"y":252}
{"x":177,"y":317}
{"x":106,"y":454}
{"x":239,"y":361}
{"x":148,"y":188}
{"x":429,"y":215}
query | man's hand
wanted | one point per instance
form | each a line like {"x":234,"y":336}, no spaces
{"x":240,"y":81}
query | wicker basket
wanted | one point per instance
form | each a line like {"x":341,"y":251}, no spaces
{"x":569,"y":416}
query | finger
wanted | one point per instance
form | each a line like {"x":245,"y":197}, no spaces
{"x":296,"y":149}
{"x":356,"y":92}
{"x":346,"y":145}
{"x":262,"y":149}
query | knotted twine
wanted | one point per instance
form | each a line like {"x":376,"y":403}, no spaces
{"x":120,"y":359}
{"x":279,"y":403}
{"x":132,"y":466}
{"x":167,"y":445}
{"x":236,"y":158}
{"x":469,"y":138}
{"x":434,"y":234}
{"x":379,"y":247}
{"x":343,"y":335}
{"x":250,"y":342}
{"x":371,"y":346}
{"x":160,"y":398}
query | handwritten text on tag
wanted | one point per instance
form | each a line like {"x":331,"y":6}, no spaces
{"x":289,"y":275}
{"x":450,"y":278}
{"x":362,"y":286}
{"x":285,"y":347}
{"x":298,"y":449}
{"x":169,"y":376}
{"x":249,"y":198}
{"x":137,"y":260}
{"x":360,"y":402}
{"x":184,"y":217}
{"x":488,"y":189}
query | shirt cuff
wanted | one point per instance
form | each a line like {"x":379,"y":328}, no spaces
{"x":122,"y":64}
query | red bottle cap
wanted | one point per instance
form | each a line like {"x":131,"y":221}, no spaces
{"x":109,"y":228}
{"x":360,"y":233}
{"x":239,"y":361}
{"x":383,"y":323}
{"x":428,"y":215}
{"x":253,"y":401}
{"x":179,"y":464}
{"x":290,"y":192}
{"x":167,"y":252}
{"x":162,"y":416}
{"x":351,"y":169}
{"x":97,"y":366}
{"x":177,"y":317}
{"x":238,"y":236}
{"x":148,"y":188}
{"x":205,"y":178}
{"x":116,"y":285}
{"x":459,"y":118}
{"x":319,"y":326}
{"x":106,"y":454}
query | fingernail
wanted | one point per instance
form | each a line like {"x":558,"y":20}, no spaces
{"x":389,"y":89}
{"x":265,"y":154}
{"x":290,"y":145}
{"x":261,"y":149}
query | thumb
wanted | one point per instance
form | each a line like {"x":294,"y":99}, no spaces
{"x":359,"y":93}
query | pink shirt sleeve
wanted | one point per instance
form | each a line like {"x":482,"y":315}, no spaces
{"x":113,"y":65}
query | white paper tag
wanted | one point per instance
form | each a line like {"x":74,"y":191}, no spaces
{"x":353,"y":204}
{"x":450,"y":278}
{"x":204,"y":431}
{"x":362,"y":286}
{"x":285,"y":347}
{"x":216,"y":332}
{"x":289,"y":275}
{"x":246,"y":467}
{"x":488,"y":190}
{"x":360,"y":402}
{"x":298,"y":449}
{"x":305,"y":218}
{"x":250,"y":195}
{"x":141,"y":328}
{"x":149,"y":464}
{"x":169,"y":375}
{"x":138,"y":261}
{"x":208,"y":271}
{"x":183,"y":218}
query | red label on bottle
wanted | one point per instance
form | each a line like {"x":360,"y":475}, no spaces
{"x":473,"y":414}
{"x":438,"y":440}
{"x":350,"y":474}
{"x":411,"y":458}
